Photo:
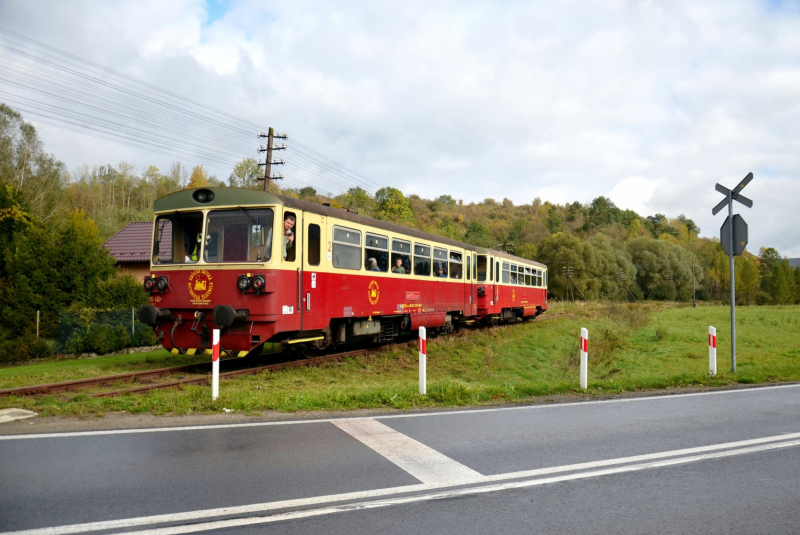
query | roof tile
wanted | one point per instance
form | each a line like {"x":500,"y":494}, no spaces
{"x":132,"y":243}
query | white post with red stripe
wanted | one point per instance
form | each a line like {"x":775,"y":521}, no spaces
{"x":215,"y":365}
{"x":584,"y":358}
{"x":423,"y":356}
{"x":712,"y":351}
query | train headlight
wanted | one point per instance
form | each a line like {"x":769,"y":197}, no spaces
{"x":243,"y":283}
{"x":162,"y":284}
{"x":258,"y":282}
{"x":149,"y":284}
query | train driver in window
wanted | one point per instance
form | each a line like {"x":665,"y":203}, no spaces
{"x":398,"y":266}
{"x":372,"y":265}
{"x":191,"y":239}
{"x":288,"y":235}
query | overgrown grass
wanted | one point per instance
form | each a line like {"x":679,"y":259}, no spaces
{"x":632,"y":348}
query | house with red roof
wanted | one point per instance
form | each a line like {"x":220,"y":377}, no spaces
{"x":130,"y":247}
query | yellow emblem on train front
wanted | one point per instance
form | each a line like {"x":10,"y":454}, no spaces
{"x":513,"y":295}
{"x":373,"y":292}
{"x":200,"y":286}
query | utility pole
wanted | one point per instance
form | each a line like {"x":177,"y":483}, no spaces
{"x":268,"y":163}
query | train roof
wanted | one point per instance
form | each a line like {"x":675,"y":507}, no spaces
{"x":224,"y":197}
{"x":502,"y":254}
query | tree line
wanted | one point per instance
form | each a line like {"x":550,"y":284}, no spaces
{"x":53,"y":223}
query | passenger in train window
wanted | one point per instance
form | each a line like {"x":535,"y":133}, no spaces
{"x":372,"y":265}
{"x":398,"y":265}
{"x":440,"y":272}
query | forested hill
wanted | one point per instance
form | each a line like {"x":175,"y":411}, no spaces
{"x":53,"y":221}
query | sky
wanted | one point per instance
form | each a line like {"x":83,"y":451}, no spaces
{"x":648,"y":103}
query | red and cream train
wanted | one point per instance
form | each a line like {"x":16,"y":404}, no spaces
{"x":221,"y":259}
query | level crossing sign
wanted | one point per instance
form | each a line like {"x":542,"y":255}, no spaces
{"x":739,"y":237}
{"x":733,"y":238}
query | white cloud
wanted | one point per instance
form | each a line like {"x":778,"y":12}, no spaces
{"x":634,"y":193}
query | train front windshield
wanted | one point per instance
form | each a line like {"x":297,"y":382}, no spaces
{"x":236,"y":235}
{"x":239,"y":235}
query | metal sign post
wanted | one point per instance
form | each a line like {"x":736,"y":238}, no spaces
{"x":733,"y":238}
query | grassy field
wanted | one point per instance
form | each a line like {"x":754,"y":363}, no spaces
{"x":632,"y":348}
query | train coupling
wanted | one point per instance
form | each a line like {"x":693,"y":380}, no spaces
{"x":225,"y":315}
{"x":151,"y":315}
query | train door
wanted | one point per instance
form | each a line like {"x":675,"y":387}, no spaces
{"x":289,"y":252}
{"x":491,"y":285}
{"x":496,"y":287}
{"x":474,"y":292}
{"x":470,"y":302}
{"x":313,"y":305}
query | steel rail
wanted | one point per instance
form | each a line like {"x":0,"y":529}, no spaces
{"x":78,"y":384}
{"x":206,"y":379}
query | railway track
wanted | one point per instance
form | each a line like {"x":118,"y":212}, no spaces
{"x":199,"y":368}
{"x":111,"y":380}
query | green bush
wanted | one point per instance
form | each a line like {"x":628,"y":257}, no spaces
{"x":41,"y":349}
{"x":101,"y":338}
{"x":143,"y":336}
{"x":75,"y":343}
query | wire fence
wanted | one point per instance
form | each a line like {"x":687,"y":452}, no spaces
{"x":101,"y":331}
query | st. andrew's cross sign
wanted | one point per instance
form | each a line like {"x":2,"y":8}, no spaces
{"x":733,"y":238}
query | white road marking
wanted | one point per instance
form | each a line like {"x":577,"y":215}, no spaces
{"x":744,"y":446}
{"x":419,"y":460}
{"x":365,"y":505}
{"x":391,"y":416}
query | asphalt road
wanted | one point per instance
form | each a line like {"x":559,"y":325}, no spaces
{"x":723,"y":462}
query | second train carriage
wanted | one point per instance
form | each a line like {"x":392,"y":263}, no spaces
{"x":222,"y":258}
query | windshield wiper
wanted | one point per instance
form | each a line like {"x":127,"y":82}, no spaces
{"x":254,"y":222}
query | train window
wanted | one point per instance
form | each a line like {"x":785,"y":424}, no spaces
{"x":401,"y":257}
{"x":468,"y":269}
{"x":376,"y":252}
{"x":475,"y":265}
{"x":491,"y":270}
{"x":506,"y":275}
{"x":314,"y":244}
{"x":346,"y":248}
{"x":497,"y":271}
{"x":439,"y":262}
{"x":527,"y":276}
{"x":541,"y":280}
{"x":481,"y":268}
{"x":241,"y":235}
{"x":513,"y":274}
{"x":177,"y":238}
{"x":455,"y":265}
{"x":289,"y":236}
{"x":422,"y":259}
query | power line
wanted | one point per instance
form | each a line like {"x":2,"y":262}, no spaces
{"x":142,"y":115}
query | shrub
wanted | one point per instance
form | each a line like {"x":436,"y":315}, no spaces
{"x":102,"y":338}
{"x":41,"y":349}
{"x":143,"y":336}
